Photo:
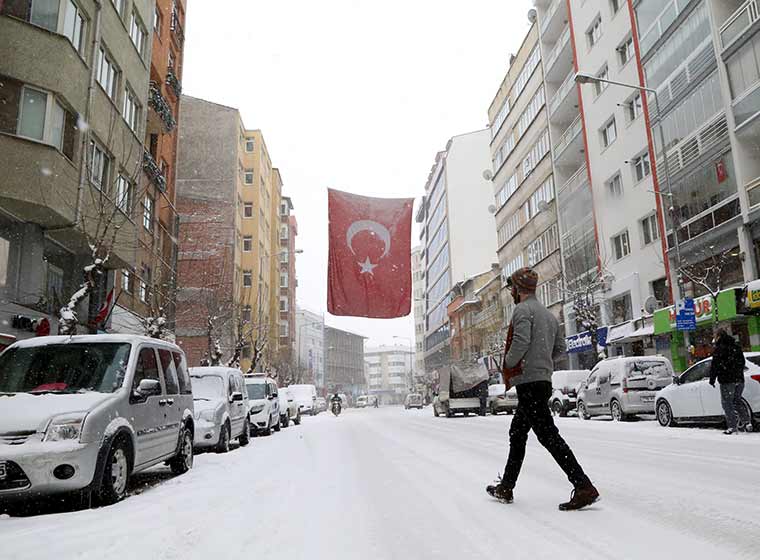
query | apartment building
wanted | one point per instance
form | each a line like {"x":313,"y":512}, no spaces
{"x":76,"y":115}
{"x":344,"y":362}
{"x":287,"y":282}
{"x":418,"y":295}
{"x":523,"y":179}
{"x":310,"y":348}
{"x":389,"y":372}
{"x":457,"y":233}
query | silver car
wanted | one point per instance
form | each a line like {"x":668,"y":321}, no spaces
{"x":84,"y":413}
{"x":221,"y":408}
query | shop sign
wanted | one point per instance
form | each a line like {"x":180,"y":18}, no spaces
{"x":686,"y":316}
{"x":582,"y":342}
{"x":703,"y":310}
{"x":750,"y":302}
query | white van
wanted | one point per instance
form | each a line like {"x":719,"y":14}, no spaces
{"x":565,"y":385}
{"x":306,"y":398}
{"x":221,"y":407}
{"x":264,"y":402}
{"x":84,"y":413}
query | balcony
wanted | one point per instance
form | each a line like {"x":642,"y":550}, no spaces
{"x":747,"y":107}
{"x":565,"y":102}
{"x":173,"y":82}
{"x":158,"y":103}
{"x":560,"y":60}
{"x":569,"y":147}
{"x":153,"y":171}
{"x":553,"y":20}
{"x":178,"y":34}
{"x":741,"y":20}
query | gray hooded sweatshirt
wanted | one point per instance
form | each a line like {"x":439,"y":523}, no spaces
{"x":537,"y":341}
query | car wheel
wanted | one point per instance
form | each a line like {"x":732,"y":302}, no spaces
{"x":750,"y":426}
{"x":557,"y":408}
{"x":313,"y":413}
{"x":492,"y":409}
{"x":285,"y":420}
{"x":616,"y":411}
{"x":183,"y":461}
{"x":268,"y":430}
{"x":664,"y":414}
{"x":113,"y":487}
{"x":297,"y":419}
{"x":277,"y":426}
{"x":449,"y":414}
{"x":245,"y":437}
{"x":582,"y":412}
{"x":224,"y":439}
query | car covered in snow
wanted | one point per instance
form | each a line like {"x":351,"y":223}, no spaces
{"x":413,"y":400}
{"x":361,"y":402}
{"x":264,"y":404}
{"x":501,"y":400}
{"x":691,"y":398}
{"x":565,"y":385}
{"x":85,"y":413}
{"x":221,"y":407}
{"x":624,"y":386}
{"x":288,"y":408}
{"x":305,"y":396}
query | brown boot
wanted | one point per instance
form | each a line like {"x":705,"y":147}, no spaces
{"x":582,"y":496}
{"x":501,"y":493}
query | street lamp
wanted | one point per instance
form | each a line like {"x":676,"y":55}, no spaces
{"x":582,"y":78}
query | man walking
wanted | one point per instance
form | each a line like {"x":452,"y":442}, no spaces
{"x":532,"y":344}
{"x":727,"y":367}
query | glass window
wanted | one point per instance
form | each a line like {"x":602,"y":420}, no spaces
{"x":106,"y":73}
{"x":248,"y":209}
{"x":123,"y":193}
{"x":183,"y":375}
{"x":595,"y":32}
{"x":621,"y":245}
{"x":207,"y":387}
{"x":641,"y":166}
{"x":649,"y":231}
{"x":247,"y":243}
{"x":131,"y":109}
{"x":147,"y":367}
{"x":603,"y":74}
{"x":33,"y":110}
{"x":100,"y":165}
{"x":148,"y":205}
{"x":615,"y":186}
{"x":609,"y":133}
{"x":248,"y":177}
{"x":247,"y":278}
{"x":137,"y":33}
{"x":249,"y":145}
{"x":119,"y":5}
{"x":625,"y":51}
{"x":170,"y":371}
{"x":697,"y":372}
{"x":73,"y":25}
{"x":633,"y":107}
{"x":45,"y":14}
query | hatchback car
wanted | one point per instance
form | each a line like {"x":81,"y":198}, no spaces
{"x":623,"y":387}
{"x":264,"y":404}
{"x":691,"y":398}
{"x":85,"y":413}
{"x":289,"y":411}
{"x":361,"y":402}
{"x":221,"y":408}
{"x":413,"y":400}
{"x":305,"y":396}
{"x":501,"y":400}
{"x":565,"y":385}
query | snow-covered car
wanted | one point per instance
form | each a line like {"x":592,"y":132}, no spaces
{"x":288,"y":408}
{"x":221,"y":408}
{"x":501,"y":400}
{"x":624,"y":386}
{"x":691,"y":398}
{"x":565,"y":385}
{"x":264,"y":404}
{"x":361,"y":402}
{"x":85,"y":413}
{"x":413,"y":400}
{"x":306,"y":397}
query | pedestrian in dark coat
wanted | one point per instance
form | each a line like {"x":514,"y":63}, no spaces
{"x":534,"y":341}
{"x":727,"y":367}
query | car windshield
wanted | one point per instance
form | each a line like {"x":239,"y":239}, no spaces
{"x":207,"y":387}
{"x":256,"y":390}
{"x":64,"y":368}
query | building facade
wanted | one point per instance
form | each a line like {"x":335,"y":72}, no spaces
{"x":76,"y":100}
{"x":418,"y":295}
{"x":389,"y":372}
{"x":457,"y":233}
{"x":344,"y":362}
{"x":287,"y":283}
{"x":310,"y":348}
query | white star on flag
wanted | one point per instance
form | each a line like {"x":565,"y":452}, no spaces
{"x":367,"y":267}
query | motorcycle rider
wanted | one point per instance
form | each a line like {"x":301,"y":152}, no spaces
{"x":335,"y":400}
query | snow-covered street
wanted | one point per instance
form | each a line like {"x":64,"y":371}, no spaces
{"x":389,"y":484}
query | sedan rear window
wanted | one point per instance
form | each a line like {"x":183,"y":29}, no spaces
{"x":754,"y":359}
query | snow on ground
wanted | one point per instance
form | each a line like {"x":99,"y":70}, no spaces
{"x":390,"y":484}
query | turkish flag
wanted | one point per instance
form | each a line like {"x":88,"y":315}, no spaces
{"x":369,"y":270}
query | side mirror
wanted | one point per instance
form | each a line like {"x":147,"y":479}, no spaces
{"x":676,"y":380}
{"x":236,"y":397}
{"x":270,"y":396}
{"x":147,"y":388}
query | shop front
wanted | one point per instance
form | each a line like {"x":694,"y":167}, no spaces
{"x":581,"y":350}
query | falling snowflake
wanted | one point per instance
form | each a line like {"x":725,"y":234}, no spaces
{"x":46,"y":171}
{"x":82,"y":124}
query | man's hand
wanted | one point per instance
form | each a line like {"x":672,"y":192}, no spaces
{"x":712,"y":383}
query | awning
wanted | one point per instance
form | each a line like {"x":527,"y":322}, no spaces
{"x":620,"y":331}
{"x":643,"y":332}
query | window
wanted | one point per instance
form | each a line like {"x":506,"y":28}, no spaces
{"x":599,"y":87}
{"x":33,"y":112}
{"x":284,"y":328}
{"x":541,"y":196}
{"x":283,"y":280}
{"x":633,"y":107}
{"x":283,"y":304}
{"x":147,"y":367}
{"x":45,"y":14}
{"x":522,"y":79}
{"x":621,"y":308}
{"x":247,"y":244}
{"x":54,"y":283}
{"x":248,"y":209}
{"x":511,"y":267}
{"x":145,"y":284}
{"x":609,"y":133}
{"x":284,"y":232}
{"x":137,"y":33}
{"x":248,"y":177}
{"x":621,"y":245}
{"x":170,"y":371}
{"x":107,"y":74}
{"x":500,"y":117}
{"x":123,"y":193}
{"x":549,"y":292}
{"x":649,"y":231}
{"x":615,"y":5}
{"x":625,"y":51}
{"x":99,"y":165}
{"x":594,"y":33}
{"x":247,"y":278}
{"x":531,"y":112}
{"x":249,"y":145}
{"x":157,"y":22}
{"x":73,"y":25}
{"x":126,"y":281}
{"x":508,"y":229}
{"x":641,"y":166}
{"x":172,"y":59}
{"x":536,"y":154}
{"x":543,"y":246}
{"x":131,"y":110}
{"x":284,"y":209}
{"x":148,"y":204}
{"x":119,"y":5}
{"x":615,"y":186}
{"x":246,"y":315}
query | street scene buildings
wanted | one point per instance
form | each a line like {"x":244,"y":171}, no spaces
{"x":389,"y":372}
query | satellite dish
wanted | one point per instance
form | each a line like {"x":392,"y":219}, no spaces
{"x":487,"y":174}
{"x":651,"y":304}
{"x":532,"y":15}
{"x":492,"y":209}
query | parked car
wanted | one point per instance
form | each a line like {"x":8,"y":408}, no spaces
{"x":221,"y":408}
{"x":565,"y":384}
{"x":413,"y":400}
{"x":306,"y":398}
{"x":501,"y":400}
{"x":624,"y":386}
{"x":264,"y":404}
{"x":361,"y":402}
{"x":691,"y":398}
{"x":85,"y":413}
{"x":288,"y":408}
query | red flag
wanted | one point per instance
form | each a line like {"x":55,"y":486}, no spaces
{"x":103,"y":311}
{"x":369,"y":272}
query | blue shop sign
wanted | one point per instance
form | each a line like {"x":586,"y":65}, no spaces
{"x":581,"y":342}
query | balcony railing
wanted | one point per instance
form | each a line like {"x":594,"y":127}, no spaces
{"x":566,"y":87}
{"x":549,"y":15}
{"x":158,"y":102}
{"x":561,"y":42}
{"x":491,"y":312}
{"x":567,"y":137}
{"x":177,"y":32}
{"x":153,"y":171}
{"x":739,"y":22}
{"x":173,"y":82}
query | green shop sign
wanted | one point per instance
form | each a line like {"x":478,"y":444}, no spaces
{"x":665,"y":319}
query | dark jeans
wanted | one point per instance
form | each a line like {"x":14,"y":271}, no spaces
{"x":533,"y":413}
{"x":731,"y":399}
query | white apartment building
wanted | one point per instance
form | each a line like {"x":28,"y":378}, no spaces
{"x":389,"y":372}
{"x":310,"y":346}
{"x":418,"y":295}
{"x":458,"y":236}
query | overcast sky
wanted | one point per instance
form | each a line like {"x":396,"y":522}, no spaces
{"x":356,"y":95}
